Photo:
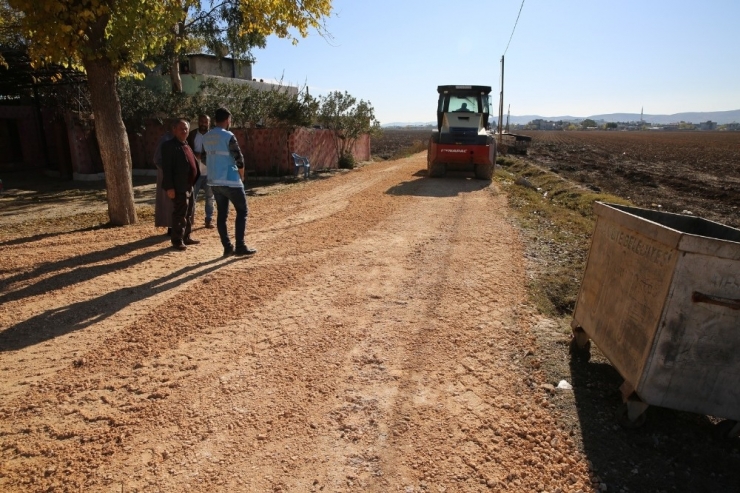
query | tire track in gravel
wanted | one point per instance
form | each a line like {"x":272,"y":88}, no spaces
{"x":166,"y":326}
{"x":106,"y":284}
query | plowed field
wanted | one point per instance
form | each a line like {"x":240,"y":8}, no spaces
{"x":698,"y":172}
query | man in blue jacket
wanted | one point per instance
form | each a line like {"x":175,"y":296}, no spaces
{"x":226,"y":178}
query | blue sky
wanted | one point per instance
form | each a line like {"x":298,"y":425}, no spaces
{"x":567,"y":57}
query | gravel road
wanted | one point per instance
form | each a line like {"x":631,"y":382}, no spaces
{"x":374,"y":343}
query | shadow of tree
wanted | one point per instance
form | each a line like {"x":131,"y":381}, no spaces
{"x":60,"y":321}
{"x":41,"y":236}
{"x":81,"y":270}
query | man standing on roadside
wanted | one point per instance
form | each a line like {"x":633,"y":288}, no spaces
{"x":225,"y":176}
{"x":179,"y":174}
{"x":162,"y":203}
{"x":195,"y":141}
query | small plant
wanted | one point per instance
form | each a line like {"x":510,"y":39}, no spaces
{"x":347,"y":161}
{"x":348,"y":119}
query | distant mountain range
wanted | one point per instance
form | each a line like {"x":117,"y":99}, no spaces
{"x":720,"y":117}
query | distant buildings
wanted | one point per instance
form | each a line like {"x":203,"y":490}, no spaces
{"x":542,"y":124}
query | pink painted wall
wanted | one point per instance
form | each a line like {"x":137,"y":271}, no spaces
{"x":267,"y":151}
{"x":73,"y":147}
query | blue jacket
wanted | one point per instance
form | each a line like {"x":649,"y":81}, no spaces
{"x":222,"y":159}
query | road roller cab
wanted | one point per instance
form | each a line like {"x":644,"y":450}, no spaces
{"x":462,"y":140}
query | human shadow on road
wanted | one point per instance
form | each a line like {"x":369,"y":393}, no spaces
{"x":451,"y":185}
{"x":81,"y":268}
{"x":672,"y":451}
{"x":77,"y":316}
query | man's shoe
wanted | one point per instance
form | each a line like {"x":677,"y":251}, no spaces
{"x":179,"y":246}
{"x":190,"y":241}
{"x":244,"y":250}
{"x":229,"y":250}
{"x":209,"y":224}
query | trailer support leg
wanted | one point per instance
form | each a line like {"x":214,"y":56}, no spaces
{"x":632,"y":413}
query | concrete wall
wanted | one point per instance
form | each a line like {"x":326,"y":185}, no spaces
{"x":224,"y":67}
{"x":191,"y":83}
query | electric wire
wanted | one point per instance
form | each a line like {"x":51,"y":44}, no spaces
{"x":515,"y":23}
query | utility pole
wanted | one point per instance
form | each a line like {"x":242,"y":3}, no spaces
{"x":501,"y":105}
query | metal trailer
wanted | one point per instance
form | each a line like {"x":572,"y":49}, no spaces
{"x":660,"y":297}
{"x":515,"y":144}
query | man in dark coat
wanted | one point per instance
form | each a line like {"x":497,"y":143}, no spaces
{"x":179,"y":174}
{"x":162,"y":203}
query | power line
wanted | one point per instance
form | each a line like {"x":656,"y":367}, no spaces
{"x":512,"y":31}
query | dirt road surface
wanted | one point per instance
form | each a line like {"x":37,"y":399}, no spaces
{"x":374,"y":343}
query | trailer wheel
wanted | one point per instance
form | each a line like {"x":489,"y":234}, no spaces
{"x":622,"y":415}
{"x":484,"y":171}
{"x":579,"y":354}
{"x":726,"y":429}
{"x":436,"y":170}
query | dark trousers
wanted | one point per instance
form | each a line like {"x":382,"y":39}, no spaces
{"x":182,"y":216}
{"x":238,"y":198}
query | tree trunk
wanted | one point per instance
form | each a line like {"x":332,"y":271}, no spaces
{"x":112,"y":139}
{"x":179,"y":34}
{"x":175,"y":76}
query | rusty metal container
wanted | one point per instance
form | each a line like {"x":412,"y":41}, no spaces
{"x":660,"y":297}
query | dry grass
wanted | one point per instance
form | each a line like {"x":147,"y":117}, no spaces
{"x":415,"y":147}
{"x":557,"y":218}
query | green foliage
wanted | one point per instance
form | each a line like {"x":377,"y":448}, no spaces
{"x":588,"y":123}
{"x":346,"y":161}
{"x":109,"y":38}
{"x":236,"y":26}
{"x":249,"y":106}
{"x":221,"y":30}
{"x":72,"y":32}
{"x":10,"y":29}
{"x":347,"y":119}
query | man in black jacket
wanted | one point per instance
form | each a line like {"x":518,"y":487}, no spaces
{"x":180,"y":172}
